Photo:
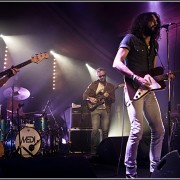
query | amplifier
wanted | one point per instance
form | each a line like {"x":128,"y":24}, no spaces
{"x":80,"y":119}
{"x":80,"y":140}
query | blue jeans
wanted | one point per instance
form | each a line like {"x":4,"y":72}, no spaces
{"x":100,"y":120}
{"x":147,"y":107}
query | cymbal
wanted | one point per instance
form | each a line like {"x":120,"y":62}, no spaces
{"x":19,"y":93}
{"x":27,"y":113}
{"x":40,"y":114}
{"x":9,"y":111}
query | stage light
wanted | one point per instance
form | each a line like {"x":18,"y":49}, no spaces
{"x":54,"y":72}
{"x":5,"y":57}
{"x":64,"y":141}
{"x":52,"y":52}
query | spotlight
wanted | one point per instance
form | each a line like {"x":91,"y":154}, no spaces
{"x":64,"y":141}
{"x":52,"y":52}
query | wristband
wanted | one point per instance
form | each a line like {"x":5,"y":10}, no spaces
{"x":135,"y":77}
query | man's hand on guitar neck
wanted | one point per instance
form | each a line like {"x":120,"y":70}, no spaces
{"x":8,"y":76}
{"x":171,"y":75}
{"x":13,"y":72}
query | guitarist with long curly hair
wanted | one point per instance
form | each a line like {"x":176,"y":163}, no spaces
{"x":136,"y":59}
{"x":99,"y":97}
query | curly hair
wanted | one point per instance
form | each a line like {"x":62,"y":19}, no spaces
{"x":140,"y":23}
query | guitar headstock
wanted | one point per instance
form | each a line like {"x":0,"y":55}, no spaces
{"x":39,"y":57}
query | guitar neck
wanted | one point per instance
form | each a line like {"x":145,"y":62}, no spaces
{"x":161,"y":77}
{"x":165,"y":76}
{"x":17,"y":66}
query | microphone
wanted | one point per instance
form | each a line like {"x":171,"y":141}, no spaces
{"x":167,"y":25}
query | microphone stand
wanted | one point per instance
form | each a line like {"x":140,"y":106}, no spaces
{"x":12,"y":119}
{"x":169,"y":89}
{"x":53,"y":146}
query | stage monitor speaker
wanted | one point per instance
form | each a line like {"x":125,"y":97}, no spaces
{"x":111,"y":148}
{"x":169,"y":166}
{"x":46,"y":167}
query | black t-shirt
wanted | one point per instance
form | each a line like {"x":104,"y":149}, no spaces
{"x":139,"y":57}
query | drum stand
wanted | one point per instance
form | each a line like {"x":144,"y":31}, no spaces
{"x":55,"y":143}
{"x":11,"y":122}
{"x":31,"y":147}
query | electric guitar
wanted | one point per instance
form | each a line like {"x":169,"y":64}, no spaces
{"x":100,"y":99}
{"x":155,"y":76}
{"x":35,"y":59}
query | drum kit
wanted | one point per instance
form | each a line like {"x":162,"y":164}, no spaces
{"x":26,"y":135}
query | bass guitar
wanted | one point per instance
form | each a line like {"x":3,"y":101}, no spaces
{"x":100,"y":99}
{"x":35,"y":59}
{"x":157,"y":79}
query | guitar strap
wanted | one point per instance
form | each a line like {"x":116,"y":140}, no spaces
{"x":101,"y":89}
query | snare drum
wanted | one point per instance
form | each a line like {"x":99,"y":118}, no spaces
{"x":30,"y":140}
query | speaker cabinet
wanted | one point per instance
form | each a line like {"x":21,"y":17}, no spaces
{"x":80,"y":140}
{"x":80,"y":119}
{"x":169,"y":166}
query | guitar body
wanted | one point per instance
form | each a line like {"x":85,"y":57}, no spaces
{"x":155,"y":76}
{"x":92,"y":106}
{"x":100,"y":99}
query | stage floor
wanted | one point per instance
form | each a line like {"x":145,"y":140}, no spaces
{"x":70,"y":165}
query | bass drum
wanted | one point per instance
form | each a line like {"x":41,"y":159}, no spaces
{"x":30,"y":142}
